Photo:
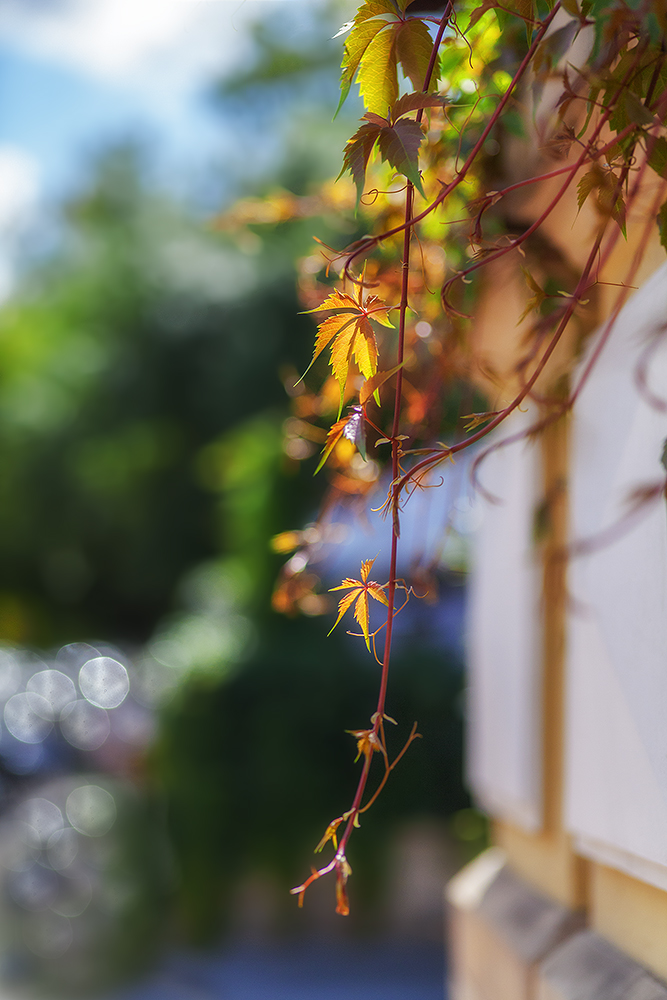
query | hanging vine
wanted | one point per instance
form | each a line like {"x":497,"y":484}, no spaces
{"x":582,"y":83}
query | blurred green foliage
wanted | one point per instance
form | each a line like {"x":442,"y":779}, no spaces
{"x":143,"y":477}
{"x":129,"y":355}
{"x":254,"y":767}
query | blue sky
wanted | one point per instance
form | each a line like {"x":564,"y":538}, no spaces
{"x":76,"y":75}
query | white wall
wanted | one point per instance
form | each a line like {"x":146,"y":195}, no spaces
{"x":504,"y":744}
{"x":616,"y":675}
{"x":616,"y":736}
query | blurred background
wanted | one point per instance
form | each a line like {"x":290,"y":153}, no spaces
{"x":171,"y":745}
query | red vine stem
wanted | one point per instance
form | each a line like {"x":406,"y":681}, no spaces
{"x":462,"y":173}
{"x":391,"y":587}
{"x":398,"y":484}
{"x":582,"y":285}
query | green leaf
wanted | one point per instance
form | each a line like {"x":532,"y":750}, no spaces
{"x":524,"y":8}
{"x":637,"y":110}
{"x":375,"y":8}
{"x":480,"y":10}
{"x":355,"y":47}
{"x":662,"y":224}
{"x":399,"y":146}
{"x":571,"y":7}
{"x":377,"y":79}
{"x":413,"y":49}
{"x":658,"y":157}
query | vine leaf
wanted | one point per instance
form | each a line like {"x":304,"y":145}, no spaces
{"x":353,"y":428}
{"x":662,"y":224}
{"x":357,"y":153}
{"x":609,"y":199}
{"x":329,"y":834}
{"x":412,"y":102}
{"x":347,"y":330}
{"x":380,"y":39}
{"x":371,"y":385}
{"x":413,"y":49}
{"x":397,"y":138}
{"x":368,"y":742}
{"x":658,"y":157}
{"x":399,"y":146}
{"x":536,"y":299}
{"x":524,"y":8}
{"x":358,"y":595}
{"x":589,"y":181}
{"x":483,"y":8}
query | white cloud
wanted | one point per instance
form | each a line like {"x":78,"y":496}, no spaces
{"x":164,"y":45}
{"x":19,"y":187}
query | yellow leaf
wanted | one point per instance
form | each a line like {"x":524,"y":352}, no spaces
{"x":376,"y":591}
{"x":377,"y":78}
{"x":343,"y":605}
{"x":359,"y":591}
{"x":348,"y":332}
{"x":329,"y":834}
{"x":362,"y":616}
{"x":366,"y":567}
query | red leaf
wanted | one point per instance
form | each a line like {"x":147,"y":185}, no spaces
{"x":399,"y":146}
{"x":412,"y":102}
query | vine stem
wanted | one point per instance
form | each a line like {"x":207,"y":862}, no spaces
{"x":398,"y":484}
{"x":368,"y":244}
{"x":398,"y":398}
{"x":581,"y":288}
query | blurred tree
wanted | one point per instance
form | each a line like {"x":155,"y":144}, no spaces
{"x":142,"y":340}
{"x":145,"y":473}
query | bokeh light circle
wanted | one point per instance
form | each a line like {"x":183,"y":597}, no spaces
{"x":85,"y":726}
{"x":62,"y":848}
{"x":104,"y":682}
{"x":34,"y":889}
{"x":40,"y":819}
{"x":28,"y":717}
{"x":91,"y":810}
{"x":54,"y":687}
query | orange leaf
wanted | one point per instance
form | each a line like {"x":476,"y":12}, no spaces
{"x":344,"y":602}
{"x":373,"y":384}
{"x":367,"y":742}
{"x":347,"y":330}
{"x":333,"y":437}
{"x":359,"y":591}
{"x":329,"y":834}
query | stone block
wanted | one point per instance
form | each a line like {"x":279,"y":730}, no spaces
{"x":499,"y":930}
{"x":586,"y":967}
